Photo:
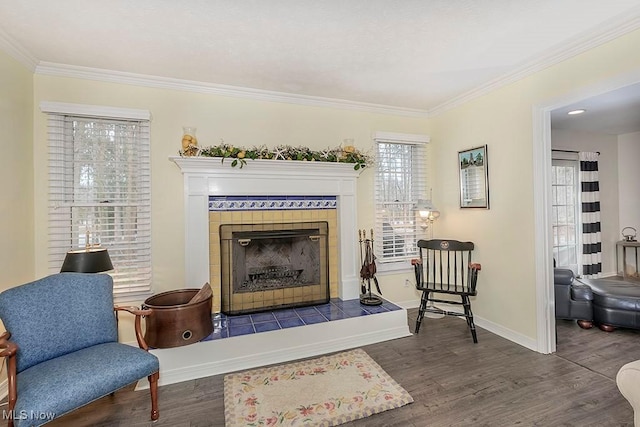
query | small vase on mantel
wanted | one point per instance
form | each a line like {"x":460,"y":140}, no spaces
{"x":189,"y":141}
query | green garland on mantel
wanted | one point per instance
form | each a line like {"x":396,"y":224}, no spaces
{"x":346,"y":154}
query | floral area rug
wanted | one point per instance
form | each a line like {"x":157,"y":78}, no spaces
{"x":326,"y":391}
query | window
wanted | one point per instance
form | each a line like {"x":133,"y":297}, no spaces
{"x":565,"y":208}
{"x":100,"y":191}
{"x":400,"y":181}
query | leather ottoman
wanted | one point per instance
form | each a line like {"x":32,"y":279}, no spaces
{"x":574,"y":300}
{"x":615,"y":303}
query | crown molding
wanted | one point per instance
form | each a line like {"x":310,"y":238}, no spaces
{"x":608,"y":31}
{"x":87,"y":73}
{"x":17,"y":52}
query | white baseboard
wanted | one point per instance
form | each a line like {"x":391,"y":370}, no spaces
{"x":499,"y":330}
{"x":511,"y":335}
{"x":412,"y":303}
{"x":221,"y":356}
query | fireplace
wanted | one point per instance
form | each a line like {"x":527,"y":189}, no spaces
{"x":273,"y":265}
{"x":208,"y":178}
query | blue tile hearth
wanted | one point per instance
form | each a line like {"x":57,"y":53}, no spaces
{"x":232,"y":326}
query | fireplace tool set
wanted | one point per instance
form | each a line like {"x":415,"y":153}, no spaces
{"x":368,"y":270}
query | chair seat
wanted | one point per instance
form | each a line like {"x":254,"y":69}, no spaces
{"x":442,"y":289}
{"x":60,"y":385}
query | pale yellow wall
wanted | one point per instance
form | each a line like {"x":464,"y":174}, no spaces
{"x":237,"y":121}
{"x":629,"y":181}
{"x":629,"y":204}
{"x":503,"y":119}
{"x":16,"y":173}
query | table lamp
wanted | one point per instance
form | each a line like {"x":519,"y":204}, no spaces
{"x":89,"y":260}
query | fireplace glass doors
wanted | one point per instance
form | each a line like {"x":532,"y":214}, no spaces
{"x":267,"y":266}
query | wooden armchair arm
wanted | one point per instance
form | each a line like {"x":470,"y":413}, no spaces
{"x":9,"y":350}
{"x":135,"y":310}
{"x":474,"y":269}
{"x":138,"y":313}
{"x":417,"y":270}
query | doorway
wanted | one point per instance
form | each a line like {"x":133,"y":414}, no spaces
{"x":545,"y":247}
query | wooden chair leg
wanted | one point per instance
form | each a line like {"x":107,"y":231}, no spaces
{"x":466,"y":303}
{"x":153,"y":389}
{"x":423,"y":306}
{"x":466,"y":311}
{"x":11,"y":389}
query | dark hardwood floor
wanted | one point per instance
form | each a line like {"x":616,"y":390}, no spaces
{"x":453,"y":383}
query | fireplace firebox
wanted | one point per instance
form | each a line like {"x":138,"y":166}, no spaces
{"x":273,"y":265}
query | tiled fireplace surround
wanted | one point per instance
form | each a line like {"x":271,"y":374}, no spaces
{"x":207,"y":180}
{"x":281,"y":212}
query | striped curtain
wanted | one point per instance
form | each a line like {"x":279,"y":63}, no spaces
{"x":590,"y":194}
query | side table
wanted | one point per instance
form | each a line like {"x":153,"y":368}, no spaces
{"x":623,"y":244}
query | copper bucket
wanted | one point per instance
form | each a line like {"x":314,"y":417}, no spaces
{"x":176,"y":322}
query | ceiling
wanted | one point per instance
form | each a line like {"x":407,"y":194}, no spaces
{"x":613,"y":113}
{"x":416,"y":55}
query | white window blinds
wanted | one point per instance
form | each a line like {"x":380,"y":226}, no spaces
{"x":401,"y":179}
{"x":100,"y":189}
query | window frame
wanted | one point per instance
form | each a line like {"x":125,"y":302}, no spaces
{"x":131,"y":284}
{"x":574,"y":164}
{"x":421,"y":177}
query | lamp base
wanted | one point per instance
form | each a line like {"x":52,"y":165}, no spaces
{"x":370,"y":300}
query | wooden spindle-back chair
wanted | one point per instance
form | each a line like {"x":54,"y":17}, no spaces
{"x":445,"y":267}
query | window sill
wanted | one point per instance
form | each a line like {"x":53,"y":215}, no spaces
{"x":394,"y":267}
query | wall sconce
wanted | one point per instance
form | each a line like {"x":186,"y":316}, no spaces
{"x":427,"y":212}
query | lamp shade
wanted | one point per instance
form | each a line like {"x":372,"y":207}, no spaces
{"x":92,"y":260}
{"x":424,"y":205}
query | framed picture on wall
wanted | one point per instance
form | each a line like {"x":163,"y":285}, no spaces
{"x":474,"y":178}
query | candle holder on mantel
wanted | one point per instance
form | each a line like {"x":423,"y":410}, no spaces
{"x":368,"y":270}
{"x":189,"y":141}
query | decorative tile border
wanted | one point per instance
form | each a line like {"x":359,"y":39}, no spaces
{"x":255,"y":203}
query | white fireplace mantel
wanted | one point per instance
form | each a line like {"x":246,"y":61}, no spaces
{"x":208,"y":176}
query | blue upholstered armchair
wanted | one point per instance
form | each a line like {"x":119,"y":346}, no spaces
{"x":62,"y":347}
